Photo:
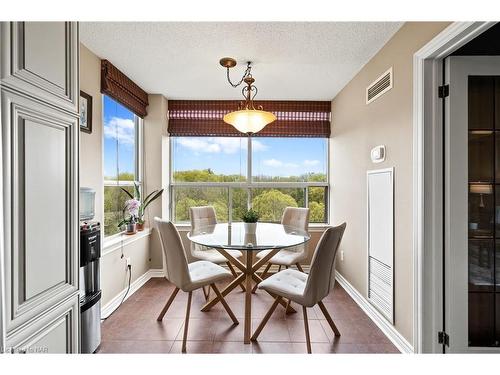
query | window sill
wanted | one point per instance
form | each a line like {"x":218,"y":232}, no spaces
{"x":118,"y":241}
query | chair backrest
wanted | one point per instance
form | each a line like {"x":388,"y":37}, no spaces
{"x":322,"y":271}
{"x":296,"y":217}
{"x":201,"y":217}
{"x":173,"y":250}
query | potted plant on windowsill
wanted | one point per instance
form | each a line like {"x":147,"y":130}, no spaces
{"x":250,"y":219}
{"x":140,"y":222}
{"x":132,"y":209}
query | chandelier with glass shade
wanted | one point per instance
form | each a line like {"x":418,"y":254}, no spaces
{"x":248,"y":118}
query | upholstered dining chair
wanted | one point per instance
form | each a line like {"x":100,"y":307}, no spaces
{"x":187,"y":277}
{"x":307,"y":290}
{"x":293,"y":256}
{"x":201,"y":217}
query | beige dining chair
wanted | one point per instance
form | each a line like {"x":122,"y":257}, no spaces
{"x":307,"y":290}
{"x":187,"y":277}
{"x":292,"y":256}
{"x":201,"y":217}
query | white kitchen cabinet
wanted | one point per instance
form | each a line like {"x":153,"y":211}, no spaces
{"x":39,"y":230}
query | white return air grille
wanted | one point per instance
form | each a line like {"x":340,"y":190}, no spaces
{"x":379,"y":87}
{"x":380,"y":291}
{"x":381,"y":241}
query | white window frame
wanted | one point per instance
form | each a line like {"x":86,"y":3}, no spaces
{"x":139,"y":167}
{"x":249,"y":184}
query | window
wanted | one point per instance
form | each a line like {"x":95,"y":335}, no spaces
{"x":235,"y":173}
{"x":122,"y":144}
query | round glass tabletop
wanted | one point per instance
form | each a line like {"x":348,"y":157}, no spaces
{"x":235,"y":236}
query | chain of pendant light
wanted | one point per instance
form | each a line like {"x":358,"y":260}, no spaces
{"x":247,"y":73}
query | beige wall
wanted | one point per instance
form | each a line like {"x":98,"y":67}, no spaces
{"x":155,"y":127}
{"x":114,"y":275}
{"x":91,"y":167}
{"x":144,"y":252}
{"x":357,"y":128}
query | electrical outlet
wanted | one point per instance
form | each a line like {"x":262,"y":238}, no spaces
{"x":342,"y":255}
{"x":128,"y":261}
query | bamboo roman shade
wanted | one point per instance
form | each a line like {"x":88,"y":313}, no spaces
{"x":121,"y":88}
{"x":204,"y":118}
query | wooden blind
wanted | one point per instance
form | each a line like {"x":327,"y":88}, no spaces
{"x":204,"y":118}
{"x":121,"y":88}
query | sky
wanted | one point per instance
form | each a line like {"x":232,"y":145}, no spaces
{"x":118,"y":130}
{"x":271,"y":156}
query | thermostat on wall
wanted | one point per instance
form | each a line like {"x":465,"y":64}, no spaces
{"x":378,"y":154}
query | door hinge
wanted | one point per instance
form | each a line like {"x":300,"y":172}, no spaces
{"x":444,"y":91}
{"x":443,"y":338}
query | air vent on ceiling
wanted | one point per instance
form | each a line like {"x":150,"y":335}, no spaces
{"x":379,"y":87}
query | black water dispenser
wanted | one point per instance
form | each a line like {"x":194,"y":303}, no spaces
{"x":90,"y":289}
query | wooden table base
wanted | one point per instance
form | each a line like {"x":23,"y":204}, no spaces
{"x":248,"y":273}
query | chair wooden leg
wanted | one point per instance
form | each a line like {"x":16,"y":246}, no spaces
{"x":306,"y":327}
{"x":328,"y":318}
{"x":167,"y":305}
{"x":224,"y":303}
{"x":287,"y":306}
{"x":264,"y":274}
{"x":186,"y":322}
{"x":205,"y":293}
{"x":279,"y":268}
{"x":299,"y":267}
{"x":266,"y":318}
{"x":231,"y":268}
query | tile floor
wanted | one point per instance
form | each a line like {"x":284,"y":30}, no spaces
{"x":133,"y":327}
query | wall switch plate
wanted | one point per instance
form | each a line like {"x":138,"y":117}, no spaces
{"x":128,"y":261}
{"x":342,"y":255}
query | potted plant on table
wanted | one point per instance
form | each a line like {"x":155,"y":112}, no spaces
{"x":151,"y":197}
{"x":250,"y":219}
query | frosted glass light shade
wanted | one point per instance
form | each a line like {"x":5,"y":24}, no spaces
{"x":249,"y":120}
{"x":481,"y":189}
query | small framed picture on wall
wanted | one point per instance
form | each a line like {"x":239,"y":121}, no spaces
{"x":85,"y":112}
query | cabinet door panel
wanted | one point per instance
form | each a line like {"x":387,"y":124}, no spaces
{"x":54,"y":332}
{"x":41,"y":217}
{"x":45,"y":199}
{"x":45,"y":42}
{"x":41,"y":59}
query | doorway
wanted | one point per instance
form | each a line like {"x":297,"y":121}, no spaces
{"x":471,"y":204}
{"x":445,"y":198}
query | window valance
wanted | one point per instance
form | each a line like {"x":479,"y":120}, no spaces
{"x":117,"y":85}
{"x":204,"y":118}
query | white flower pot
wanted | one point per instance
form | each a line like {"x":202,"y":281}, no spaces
{"x":250,"y":227}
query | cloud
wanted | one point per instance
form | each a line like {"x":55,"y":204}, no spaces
{"x":278,"y":164}
{"x":121,"y":129}
{"x":311,"y":163}
{"x":226,"y":145}
{"x":273,"y":163}
{"x":258,"y":146}
{"x":199,"y":145}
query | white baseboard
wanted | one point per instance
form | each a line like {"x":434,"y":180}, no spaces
{"x":134,"y":286}
{"x":385,"y":326}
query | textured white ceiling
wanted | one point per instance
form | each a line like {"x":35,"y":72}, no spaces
{"x":291,"y":60}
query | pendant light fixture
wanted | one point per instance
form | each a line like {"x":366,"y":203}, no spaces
{"x":247,"y":119}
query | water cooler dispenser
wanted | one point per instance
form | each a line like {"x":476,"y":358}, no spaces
{"x":90,"y":290}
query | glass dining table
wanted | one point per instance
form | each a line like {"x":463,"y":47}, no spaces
{"x":247,"y":239}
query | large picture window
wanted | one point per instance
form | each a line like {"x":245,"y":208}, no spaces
{"x":122,"y":142}
{"x":236,"y":173}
